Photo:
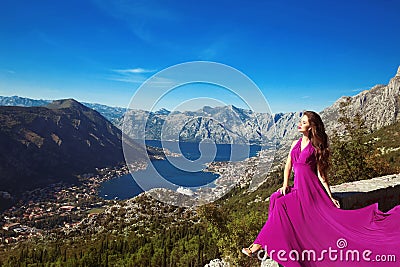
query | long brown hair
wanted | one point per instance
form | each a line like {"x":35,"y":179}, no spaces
{"x":319,"y":140}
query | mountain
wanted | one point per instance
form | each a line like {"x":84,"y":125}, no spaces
{"x":110,"y":113}
{"x":221,"y":124}
{"x":43,"y":145}
{"x":226,"y":124}
{"x":378,"y":106}
{"x":22,"y":101}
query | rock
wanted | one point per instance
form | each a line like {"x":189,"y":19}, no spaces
{"x":217,"y":263}
{"x":269,"y":263}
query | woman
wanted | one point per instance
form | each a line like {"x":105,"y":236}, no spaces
{"x":305,"y":220}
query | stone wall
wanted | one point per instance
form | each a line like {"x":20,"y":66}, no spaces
{"x":385,"y":190}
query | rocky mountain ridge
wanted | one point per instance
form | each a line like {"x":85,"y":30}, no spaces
{"x":226,"y":124}
{"x":379,"y":106}
{"x":221,"y":124}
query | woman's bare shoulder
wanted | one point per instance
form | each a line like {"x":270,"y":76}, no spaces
{"x":293,"y":144}
{"x":291,"y":147}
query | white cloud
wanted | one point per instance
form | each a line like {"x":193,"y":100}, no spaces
{"x":134,"y":75}
{"x":360,"y":89}
{"x":139,"y":76}
{"x":134,"y":71}
{"x":127,"y":79}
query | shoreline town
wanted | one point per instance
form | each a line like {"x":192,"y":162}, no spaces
{"x":61,"y":207}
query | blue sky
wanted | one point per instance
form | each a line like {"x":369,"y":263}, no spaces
{"x":301,"y":54}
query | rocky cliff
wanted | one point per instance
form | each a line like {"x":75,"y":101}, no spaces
{"x":379,"y":106}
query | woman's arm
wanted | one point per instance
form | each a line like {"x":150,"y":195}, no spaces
{"x":287,"y":171}
{"x":328,"y":190}
{"x":325,"y":184}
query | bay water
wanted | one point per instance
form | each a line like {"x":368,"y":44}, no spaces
{"x":125,"y":186}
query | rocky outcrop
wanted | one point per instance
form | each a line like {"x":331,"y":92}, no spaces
{"x":269,"y":263}
{"x":379,"y":106}
{"x":217,"y":263}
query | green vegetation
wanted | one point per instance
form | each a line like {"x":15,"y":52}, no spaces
{"x":235,"y":220}
{"x":96,"y":210}
{"x":179,"y":246}
{"x":387,"y":142}
{"x":156,"y":240}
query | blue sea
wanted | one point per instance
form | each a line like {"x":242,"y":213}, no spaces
{"x":178,"y":172}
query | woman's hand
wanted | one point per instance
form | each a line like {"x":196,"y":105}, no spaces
{"x":336,"y":202}
{"x":283,"y":189}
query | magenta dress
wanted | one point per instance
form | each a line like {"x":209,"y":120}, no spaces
{"x":305,"y":228}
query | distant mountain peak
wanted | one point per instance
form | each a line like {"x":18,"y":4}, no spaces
{"x":21,"y":101}
{"x":66,"y":103}
{"x":237,"y":109}
{"x":206,"y":108}
{"x":398,"y":72}
{"x":162,"y":111}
